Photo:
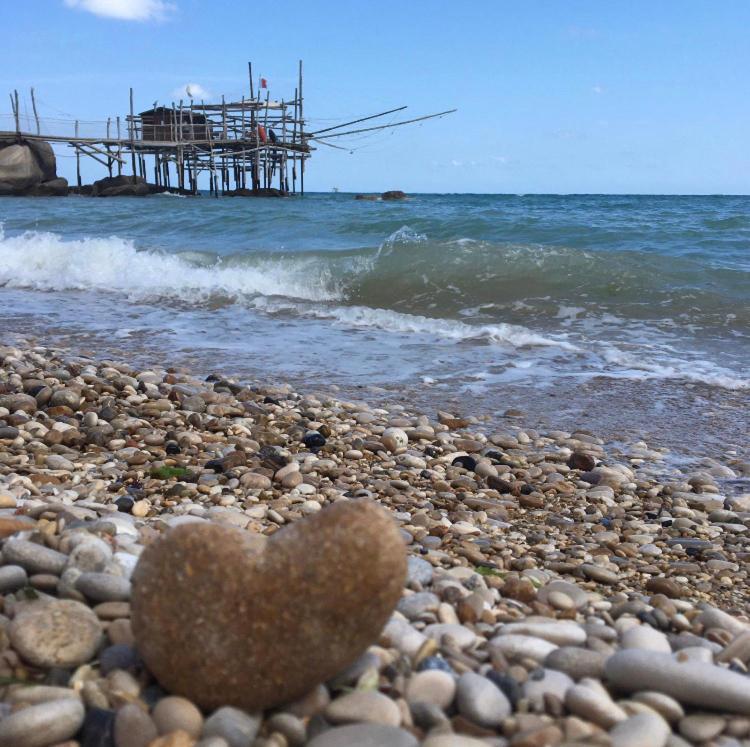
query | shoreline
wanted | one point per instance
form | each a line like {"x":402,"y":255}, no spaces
{"x":580,"y":551}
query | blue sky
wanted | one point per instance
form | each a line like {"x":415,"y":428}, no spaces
{"x":553,"y":96}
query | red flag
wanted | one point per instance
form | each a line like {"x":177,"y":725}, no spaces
{"x":263,"y":83}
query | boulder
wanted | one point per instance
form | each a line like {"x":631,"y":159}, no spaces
{"x":45,"y":158}
{"x":19,"y":169}
{"x":57,"y":187}
{"x":369,"y":198}
{"x":120,"y":186}
{"x":394,"y":194}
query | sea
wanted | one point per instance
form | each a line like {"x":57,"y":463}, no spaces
{"x":625,"y":316}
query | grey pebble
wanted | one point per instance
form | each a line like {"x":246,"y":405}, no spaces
{"x":481,"y":701}
{"x":34,"y":558}
{"x":12,"y":578}
{"x":364,"y":735}
{"x":418,"y":571}
{"x":104,"y":587}
{"x":694,"y":683}
{"x":238,"y":728}
{"x":576,"y":662}
{"x":42,"y":725}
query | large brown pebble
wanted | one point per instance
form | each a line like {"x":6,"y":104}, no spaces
{"x":225,"y":617}
{"x":667,"y":586}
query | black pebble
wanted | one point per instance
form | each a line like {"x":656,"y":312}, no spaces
{"x":98,"y":728}
{"x":466,"y":462}
{"x":173,"y":447}
{"x":314,"y":441}
{"x":125,"y":504}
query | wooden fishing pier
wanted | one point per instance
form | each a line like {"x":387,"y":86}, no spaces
{"x":252,"y":146}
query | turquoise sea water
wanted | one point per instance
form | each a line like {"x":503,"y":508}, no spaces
{"x":489,"y":297}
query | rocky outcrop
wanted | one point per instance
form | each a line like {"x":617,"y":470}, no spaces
{"x":261,"y":192}
{"x":394,"y":194}
{"x":120,"y":186}
{"x":28,"y":167}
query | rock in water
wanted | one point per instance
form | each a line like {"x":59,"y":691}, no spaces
{"x":225,"y":617}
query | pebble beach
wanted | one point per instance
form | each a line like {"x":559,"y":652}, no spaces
{"x":550,"y":588}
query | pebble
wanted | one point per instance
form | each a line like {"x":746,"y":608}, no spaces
{"x":431,"y":686}
{"x":691,"y":683}
{"x":363,"y":735}
{"x":646,"y":638}
{"x":576,"y":662}
{"x":34,"y":558}
{"x":559,"y":633}
{"x":522,"y":647}
{"x":363,"y":706}
{"x":12,"y":578}
{"x":595,"y":705}
{"x":480,"y":701}
{"x":237,"y":727}
{"x":316,"y":557}
{"x":174,"y":713}
{"x":702,"y":727}
{"x":641,"y":730}
{"x":418,"y":571}
{"x":42,"y":725}
{"x":133,"y":727}
{"x":104,"y":587}
{"x":597,"y":573}
{"x":57,"y":633}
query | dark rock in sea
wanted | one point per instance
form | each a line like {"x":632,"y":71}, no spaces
{"x":368,"y":198}
{"x":262,"y":192}
{"x":120,"y":186}
{"x":29,"y":168}
{"x":57,"y":187}
{"x":394,"y":194}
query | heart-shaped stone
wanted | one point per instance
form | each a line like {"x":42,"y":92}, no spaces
{"x":225,"y":617}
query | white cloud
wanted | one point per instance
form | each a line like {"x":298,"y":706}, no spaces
{"x":126,"y":10}
{"x":597,"y":90}
{"x":191,"y":91}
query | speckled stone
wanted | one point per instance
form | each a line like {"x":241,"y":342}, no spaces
{"x":59,"y":633}
{"x":280,"y":615}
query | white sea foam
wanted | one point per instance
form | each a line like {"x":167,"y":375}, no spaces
{"x":44,"y":261}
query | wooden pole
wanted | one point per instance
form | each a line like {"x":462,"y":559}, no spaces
{"x":254,"y":130}
{"x":109,"y":159}
{"x":36,"y":116}
{"x":132,"y":136}
{"x":16,"y":111}
{"x":301,"y":132}
{"x":78,"y":159}
{"x":294,"y":142}
{"x":119,"y":149}
{"x":266,"y":151}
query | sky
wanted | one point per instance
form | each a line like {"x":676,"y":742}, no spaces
{"x":553,"y":96}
